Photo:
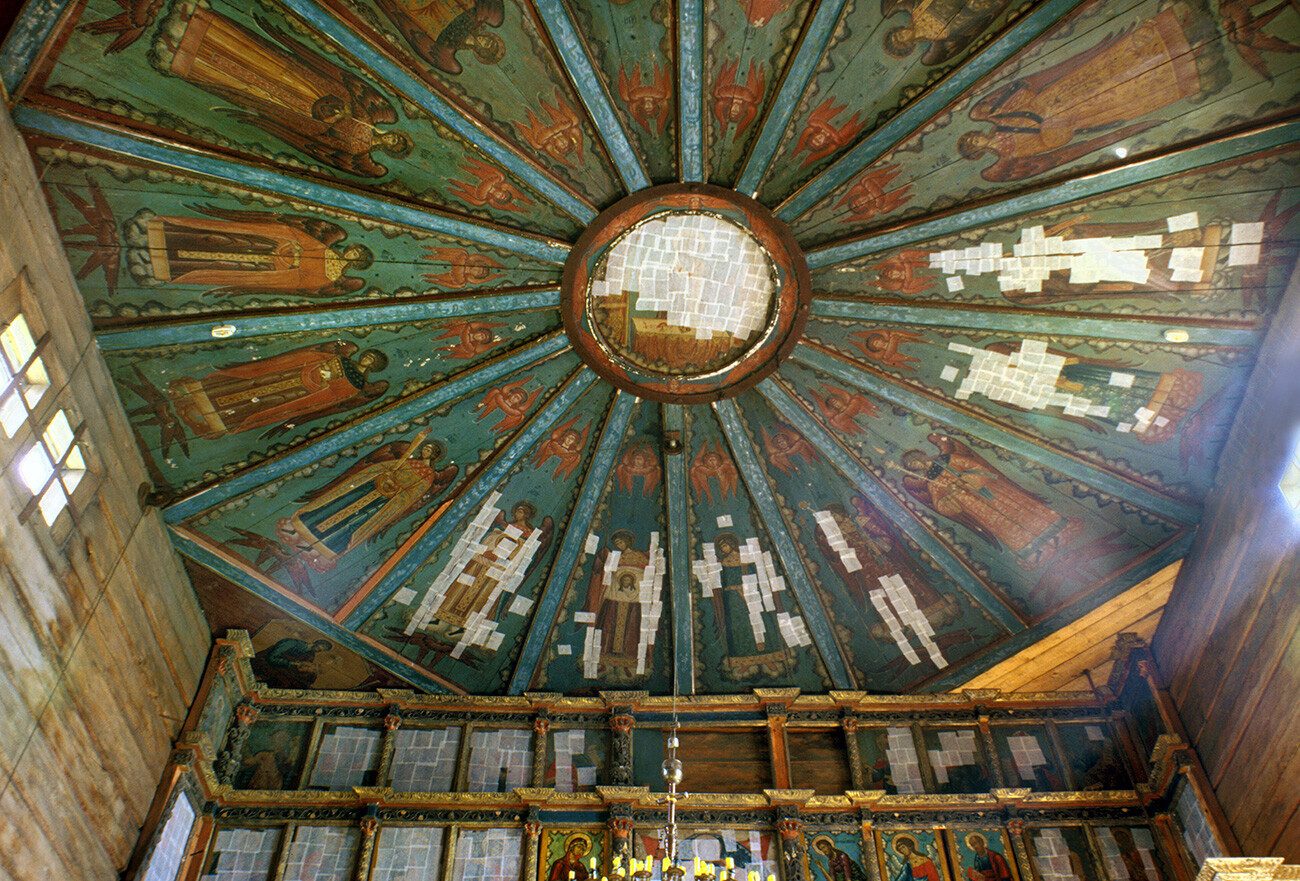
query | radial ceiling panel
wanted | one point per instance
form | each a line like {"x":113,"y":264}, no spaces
{"x":415,"y":355}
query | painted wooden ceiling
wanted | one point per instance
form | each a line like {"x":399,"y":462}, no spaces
{"x":321,"y":242}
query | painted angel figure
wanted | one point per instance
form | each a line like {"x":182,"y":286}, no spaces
{"x":564,"y":444}
{"x":275,"y":393}
{"x":475,"y":588}
{"x":712,"y":462}
{"x":1057,"y":115}
{"x":963,"y":486}
{"x":365,"y":501}
{"x":238,"y":253}
{"x":281,"y":87}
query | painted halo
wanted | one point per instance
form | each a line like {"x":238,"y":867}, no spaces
{"x":685,"y":293}
{"x":576,"y":837}
{"x":898,"y":839}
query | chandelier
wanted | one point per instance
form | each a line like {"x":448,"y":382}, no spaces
{"x":670,"y":867}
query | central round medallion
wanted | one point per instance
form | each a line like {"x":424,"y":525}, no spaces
{"x":685,"y":293}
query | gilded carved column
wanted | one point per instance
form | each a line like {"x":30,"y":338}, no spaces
{"x":991,"y":750}
{"x":850,"y":726}
{"x":620,"y":753}
{"x":790,"y":828}
{"x":392,"y":722}
{"x":620,"y":828}
{"x":532,"y":831}
{"x":227,"y":762}
{"x":541,"y":725}
{"x":1016,"y":832}
{"x":369,"y":826}
{"x":869,"y":847}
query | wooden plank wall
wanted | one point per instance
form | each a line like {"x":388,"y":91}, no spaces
{"x":1229,"y":642}
{"x":102,"y":642}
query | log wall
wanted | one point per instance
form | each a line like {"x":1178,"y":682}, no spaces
{"x":101,"y":639}
{"x":1229,"y":642}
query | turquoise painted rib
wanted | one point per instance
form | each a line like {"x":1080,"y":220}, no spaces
{"x":679,"y":554}
{"x":471,"y":496}
{"x":1139,"y":330}
{"x":690,"y":90}
{"x":500,"y":151}
{"x":932,"y":102}
{"x":1083,"y":187}
{"x":28,"y":34}
{"x":267,"y":325}
{"x":898,"y":514}
{"x":987,"y":660}
{"x":255,"y":177}
{"x":591,"y":90}
{"x":204,"y":555}
{"x":1048,"y":457}
{"x":761,"y":493}
{"x":798,"y":74}
{"x":575,"y":537}
{"x":461,"y":385}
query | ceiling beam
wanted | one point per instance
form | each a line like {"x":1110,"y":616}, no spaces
{"x":928,"y":105}
{"x":679,"y":551}
{"x":897,"y":391}
{"x":191,"y":331}
{"x":463,"y":384}
{"x":794,"y":82}
{"x":26,"y":40}
{"x":689,"y":23}
{"x":760,"y":491}
{"x":944,"y":557}
{"x":1084,"y":186}
{"x":198,"y":550}
{"x":575,"y":539}
{"x":469,"y":498}
{"x":591,"y":89}
{"x":455,"y":118}
{"x":999,"y":319}
{"x":246,"y":176}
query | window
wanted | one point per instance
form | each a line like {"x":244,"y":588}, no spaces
{"x":43,"y":440}
{"x":1289,"y":485}
{"x":22,"y":373}
{"x":53,"y":468}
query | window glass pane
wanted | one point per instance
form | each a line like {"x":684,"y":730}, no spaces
{"x":58,"y":435}
{"x":52,"y":503}
{"x":35,"y":468}
{"x":73,"y":470}
{"x":37,"y":381}
{"x":17,"y":342}
{"x":12,"y":414}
